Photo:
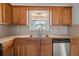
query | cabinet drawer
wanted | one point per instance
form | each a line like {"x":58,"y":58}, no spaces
{"x":8,"y":44}
{"x":46,"y":40}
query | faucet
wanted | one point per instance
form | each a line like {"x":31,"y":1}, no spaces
{"x":40,"y":32}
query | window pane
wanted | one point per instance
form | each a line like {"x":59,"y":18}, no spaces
{"x":39,"y":23}
{"x":39,"y":19}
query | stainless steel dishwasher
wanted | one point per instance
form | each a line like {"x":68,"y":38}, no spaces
{"x":61,"y":47}
{"x":0,"y":49}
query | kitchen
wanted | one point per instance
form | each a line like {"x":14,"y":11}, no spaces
{"x":50,"y":29}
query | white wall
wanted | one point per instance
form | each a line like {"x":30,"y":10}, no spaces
{"x":74,"y":29}
{"x":75,"y":13}
{"x":5,"y":30}
{"x":41,"y":4}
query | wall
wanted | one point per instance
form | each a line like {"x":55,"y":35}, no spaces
{"x":41,"y":4}
{"x":5,"y":30}
{"x":54,"y":30}
{"x":75,"y":14}
{"x":71,"y":30}
{"x":74,"y":29}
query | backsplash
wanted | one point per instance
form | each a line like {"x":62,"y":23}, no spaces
{"x":73,"y":30}
{"x":54,"y":30}
{"x":5,"y":30}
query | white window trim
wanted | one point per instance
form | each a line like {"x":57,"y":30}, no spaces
{"x":29,"y":21}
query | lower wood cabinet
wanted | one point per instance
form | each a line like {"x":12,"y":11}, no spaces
{"x":46,"y":49}
{"x":32,"y":47}
{"x":27,"y":47}
{"x":74,"y":47}
{"x":8,"y":49}
{"x":35,"y":47}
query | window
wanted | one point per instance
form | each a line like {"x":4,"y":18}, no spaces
{"x":38,"y":19}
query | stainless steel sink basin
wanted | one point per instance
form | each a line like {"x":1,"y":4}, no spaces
{"x":35,"y":36}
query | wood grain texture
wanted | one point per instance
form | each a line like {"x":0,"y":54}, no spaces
{"x":33,"y":47}
{"x":0,"y":13}
{"x":46,"y":49}
{"x":5,"y":14}
{"x":19,"y":15}
{"x":56,"y":16}
{"x":74,"y":47}
{"x":8,"y":49}
{"x":66,"y":16}
{"x":61,"y":16}
{"x":27,"y":47}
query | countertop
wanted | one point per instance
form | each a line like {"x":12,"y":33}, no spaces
{"x":8,"y":38}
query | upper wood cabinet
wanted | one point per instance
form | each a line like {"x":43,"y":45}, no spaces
{"x":5,"y":13}
{"x":61,"y":16}
{"x":0,"y":13}
{"x":19,"y":15}
{"x":66,"y":16}
{"x":56,"y":16}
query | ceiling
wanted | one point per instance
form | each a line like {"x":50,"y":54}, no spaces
{"x":41,"y":4}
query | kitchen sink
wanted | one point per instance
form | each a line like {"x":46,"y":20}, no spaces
{"x":35,"y":36}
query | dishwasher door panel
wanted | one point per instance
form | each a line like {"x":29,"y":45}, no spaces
{"x":61,"y":47}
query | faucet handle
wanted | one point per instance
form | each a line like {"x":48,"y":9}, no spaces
{"x":47,"y":36}
{"x":30,"y":35}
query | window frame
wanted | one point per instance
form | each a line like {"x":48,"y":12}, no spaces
{"x":30,"y":20}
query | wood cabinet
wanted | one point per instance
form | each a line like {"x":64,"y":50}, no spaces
{"x":27,"y":47}
{"x":32,"y":47}
{"x":74,"y":47}
{"x":8,"y":49}
{"x":19,"y":15}
{"x":46,"y":47}
{"x":20,"y":47}
{"x":5,"y":13}
{"x":0,"y":13}
{"x":61,"y":15}
{"x":56,"y":16}
{"x":66,"y":16}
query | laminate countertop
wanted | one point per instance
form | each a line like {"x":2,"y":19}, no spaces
{"x":8,"y":38}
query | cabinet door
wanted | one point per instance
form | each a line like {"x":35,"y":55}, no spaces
{"x":56,"y":16}
{"x":74,"y":47}
{"x":27,"y":47}
{"x":20,"y":47}
{"x":6,"y":13}
{"x":46,"y":49}
{"x":34,"y":46}
{"x":66,"y":16}
{"x":0,"y":13}
{"x":8,"y":49}
{"x":19,"y":15}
